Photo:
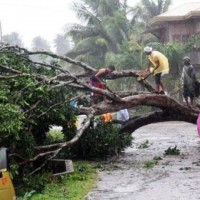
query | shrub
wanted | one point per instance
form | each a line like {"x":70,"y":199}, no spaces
{"x":101,"y":142}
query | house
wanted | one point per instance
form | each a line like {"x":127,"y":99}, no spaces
{"x":178,"y":24}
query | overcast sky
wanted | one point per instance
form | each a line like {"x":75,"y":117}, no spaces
{"x":45,"y":18}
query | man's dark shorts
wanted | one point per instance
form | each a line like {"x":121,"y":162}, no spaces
{"x":157,"y":78}
{"x":187,"y":92}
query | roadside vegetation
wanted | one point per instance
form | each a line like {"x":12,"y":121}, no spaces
{"x":73,"y":186}
{"x":95,"y":145}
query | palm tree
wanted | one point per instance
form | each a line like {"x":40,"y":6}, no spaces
{"x":105,"y":27}
{"x":152,"y":8}
{"x":146,"y":9}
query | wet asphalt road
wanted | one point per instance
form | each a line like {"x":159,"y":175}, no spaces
{"x":172,"y":178}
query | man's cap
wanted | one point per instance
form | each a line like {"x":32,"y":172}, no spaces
{"x":186,"y":58}
{"x":148,"y":49}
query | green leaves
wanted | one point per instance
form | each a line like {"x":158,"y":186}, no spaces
{"x":100,"y":142}
{"x":28,"y":106}
{"x":172,"y":151}
{"x":11,"y":120}
{"x":193,"y":44}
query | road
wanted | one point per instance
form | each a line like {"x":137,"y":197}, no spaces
{"x":173,"y":177}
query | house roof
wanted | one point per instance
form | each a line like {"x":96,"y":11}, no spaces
{"x":183,"y":12}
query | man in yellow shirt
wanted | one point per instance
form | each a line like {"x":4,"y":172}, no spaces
{"x":161,"y":67}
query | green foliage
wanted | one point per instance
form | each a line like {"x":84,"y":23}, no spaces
{"x":193,"y":44}
{"x":101,"y":142}
{"x":106,"y":28}
{"x":11,"y":120}
{"x":28,"y":195}
{"x":54,"y":136}
{"x":172,"y":151}
{"x":127,"y":57}
{"x":153,"y":8}
{"x":151,"y":163}
{"x":37,"y":183}
{"x":28,"y":108}
{"x":72,"y":186}
{"x":157,"y":158}
{"x":144,"y":145}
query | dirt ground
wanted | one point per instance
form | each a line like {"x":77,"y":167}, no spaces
{"x":173,"y":177}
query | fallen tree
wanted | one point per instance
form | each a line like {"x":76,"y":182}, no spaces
{"x":33,"y":87}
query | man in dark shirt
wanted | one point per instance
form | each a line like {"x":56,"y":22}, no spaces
{"x":188,"y":82}
{"x":96,"y":81}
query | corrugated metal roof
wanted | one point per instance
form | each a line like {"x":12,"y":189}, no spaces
{"x":182,"y":12}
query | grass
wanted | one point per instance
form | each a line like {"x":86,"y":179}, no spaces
{"x":144,"y":145}
{"x":73,"y":186}
{"x":151,"y":163}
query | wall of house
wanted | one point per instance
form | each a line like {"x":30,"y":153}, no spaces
{"x":181,"y":30}
{"x":165,"y":33}
{"x":197,"y":26}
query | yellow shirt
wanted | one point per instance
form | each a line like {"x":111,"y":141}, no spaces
{"x":163,"y":62}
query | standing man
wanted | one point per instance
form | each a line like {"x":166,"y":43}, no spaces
{"x":161,"y":67}
{"x":188,"y":82}
{"x":96,"y":81}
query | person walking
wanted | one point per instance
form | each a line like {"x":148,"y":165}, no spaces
{"x":160,"y":67}
{"x":188,"y":82}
